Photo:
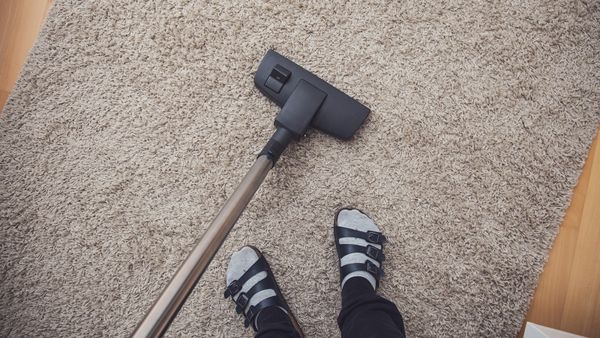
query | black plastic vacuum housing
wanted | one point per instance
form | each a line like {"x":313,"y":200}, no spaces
{"x":305,"y":101}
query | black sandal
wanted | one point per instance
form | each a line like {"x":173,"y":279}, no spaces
{"x":371,"y":237}
{"x":267,"y":283}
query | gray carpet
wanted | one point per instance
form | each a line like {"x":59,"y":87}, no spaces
{"x":134,"y":120}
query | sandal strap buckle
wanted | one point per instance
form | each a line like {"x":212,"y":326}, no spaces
{"x":249,"y":316}
{"x":373,"y":269}
{"x":241,"y":302}
{"x":374,"y":253}
{"x":375,"y":237}
{"x":232,"y":289}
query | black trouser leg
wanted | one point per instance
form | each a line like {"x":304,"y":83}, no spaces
{"x":272,"y":322}
{"x":365,"y":314}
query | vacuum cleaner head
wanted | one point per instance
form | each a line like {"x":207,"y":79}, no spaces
{"x":306,"y":100}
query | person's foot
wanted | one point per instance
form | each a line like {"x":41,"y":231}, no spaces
{"x":252,"y":287}
{"x":359,"y":246}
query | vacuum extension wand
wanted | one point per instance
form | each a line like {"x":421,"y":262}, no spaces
{"x":165,"y":308}
{"x":306,"y":101}
{"x":173,"y":297}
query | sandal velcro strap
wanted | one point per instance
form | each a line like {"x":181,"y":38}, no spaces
{"x":264,"y":284}
{"x":232,"y":289}
{"x":369,"y":236}
{"x":367,"y":266}
{"x":375,"y":253}
{"x":375,"y":237}
{"x":236,"y":285}
{"x":373,"y":269}
{"x":369,"y":250}
{"x":241,"y":302}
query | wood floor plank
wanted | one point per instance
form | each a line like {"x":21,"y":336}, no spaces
{"x":557,"y":302}
{"x":584,"y":282}
{"x":20,"y":22}
{"x":550,"y":296}
{"x":3,"y":98}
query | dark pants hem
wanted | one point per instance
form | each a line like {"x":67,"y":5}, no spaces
{"x":364,"y":314}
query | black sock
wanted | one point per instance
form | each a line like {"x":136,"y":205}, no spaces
{"x":272,"y":314}
{"x":366,"y":314}
{"x":354,"y":287}
{"x":274,"y":322}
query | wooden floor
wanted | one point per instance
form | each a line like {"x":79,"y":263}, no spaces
{"x":20,"y":21}
{"x":568,"y":294}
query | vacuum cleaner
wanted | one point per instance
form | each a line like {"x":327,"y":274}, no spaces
{"x":305,"y":101}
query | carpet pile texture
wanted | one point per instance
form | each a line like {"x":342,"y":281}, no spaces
{"x":134,"y":120}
